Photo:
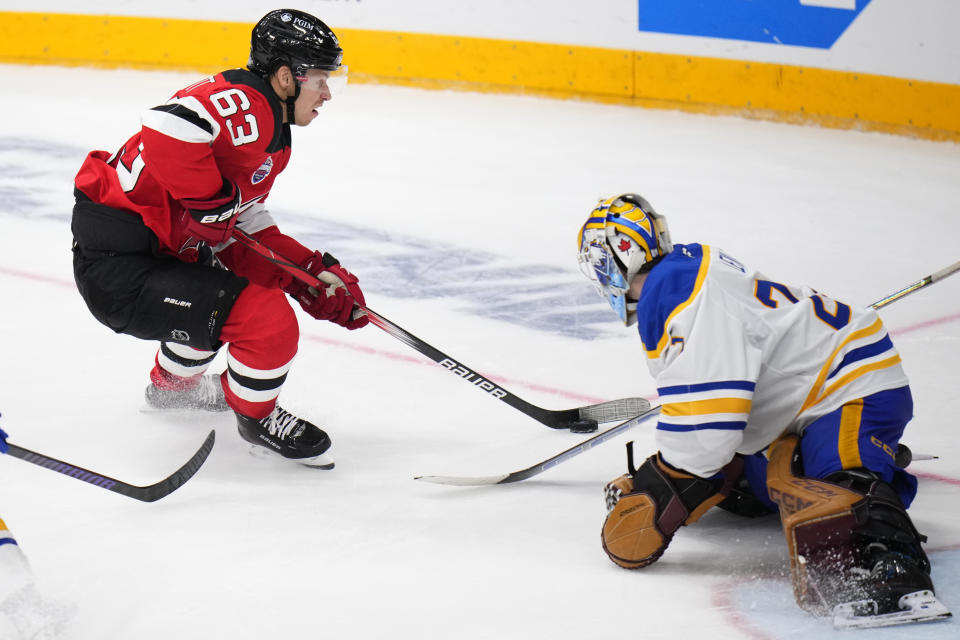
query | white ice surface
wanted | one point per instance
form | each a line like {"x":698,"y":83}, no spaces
{"x":459,"y":213}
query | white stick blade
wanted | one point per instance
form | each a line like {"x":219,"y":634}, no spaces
{"x":474,"y":481}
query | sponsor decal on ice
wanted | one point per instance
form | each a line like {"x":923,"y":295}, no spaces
{"x":262,"y":172}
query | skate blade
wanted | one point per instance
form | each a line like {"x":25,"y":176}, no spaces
{"x":323,"y":461}
{"x":919,"y":606}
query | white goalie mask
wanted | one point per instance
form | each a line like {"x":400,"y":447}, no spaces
{"x":622,"y":237}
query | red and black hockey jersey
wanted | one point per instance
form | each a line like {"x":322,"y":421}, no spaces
{"x":226,"y":127}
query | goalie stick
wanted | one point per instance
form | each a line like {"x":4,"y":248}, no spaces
{"x":919,"y":284}
{"x":150,"y":493}
{"x":549,"y":463}
{"x":579,"y":420}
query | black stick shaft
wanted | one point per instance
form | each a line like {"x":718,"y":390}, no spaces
{"x":556,"y":419}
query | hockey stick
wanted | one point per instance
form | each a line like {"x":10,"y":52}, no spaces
{"x":579,"y":420}
{"x":903,"y":457}
{"x":552,"y":461}
{"x":904,"y":454}
{"x":919,"y":284}
{"x":150,"y":493}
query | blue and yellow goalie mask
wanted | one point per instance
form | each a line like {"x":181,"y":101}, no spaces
{"x":622,"y":235}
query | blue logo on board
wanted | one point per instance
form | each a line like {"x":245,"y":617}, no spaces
{"x":803,"y":23}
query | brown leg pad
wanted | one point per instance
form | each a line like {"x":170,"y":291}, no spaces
{"x":818,"y":521}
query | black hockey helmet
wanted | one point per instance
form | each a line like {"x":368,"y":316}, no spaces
{"x":294,"y":38}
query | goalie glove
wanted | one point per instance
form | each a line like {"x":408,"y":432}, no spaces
{"x":646,"y":507}
{"x":340,"y":302}
{"x":212,"y":220}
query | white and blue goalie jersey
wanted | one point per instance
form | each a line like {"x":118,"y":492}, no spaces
{"x":740,"y":359}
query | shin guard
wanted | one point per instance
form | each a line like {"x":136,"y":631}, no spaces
{"x":849,"y":536}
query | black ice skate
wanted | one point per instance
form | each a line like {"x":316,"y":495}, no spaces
{"x":286,"y":435}
{"x":890,"y":583}
{"x":896,"y":590}
{"x":206,"y":396}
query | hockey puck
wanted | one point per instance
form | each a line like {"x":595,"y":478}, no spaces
{"x":904,"y":456}
{"x":583,"y":426}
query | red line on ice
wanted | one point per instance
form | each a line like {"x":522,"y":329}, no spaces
{"x":405,"y":358}
{"x":423,"y":361}
{"x":937,"y":477}
{"x":345,"y":345}
{"x":925,"y":324}
{"x":26,"y":275}
{"x":723,"y":600}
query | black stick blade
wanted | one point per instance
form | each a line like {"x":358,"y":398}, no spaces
{"x":150,"y":493}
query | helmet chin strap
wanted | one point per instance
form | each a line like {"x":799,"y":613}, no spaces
{"x":291,"y":101}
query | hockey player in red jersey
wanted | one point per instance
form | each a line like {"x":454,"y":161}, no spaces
{"x":773,"y":397}
{"x":152,"y":225}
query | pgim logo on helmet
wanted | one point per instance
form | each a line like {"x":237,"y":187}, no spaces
{"x":303,"y":24}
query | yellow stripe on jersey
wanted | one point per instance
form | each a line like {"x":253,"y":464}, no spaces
{"x":701,"y":276}
{"x":815,"y":394}
{"x":706,"y":407}
{"x":848,"y":440}
{"x":853,"y":375}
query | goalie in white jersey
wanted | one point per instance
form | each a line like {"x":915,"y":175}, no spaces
{"x":749,"y":370}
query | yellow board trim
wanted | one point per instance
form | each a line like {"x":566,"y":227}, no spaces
{"x":769,"y":91}
{"x":707,"y":407}
{"x":848,"y":445}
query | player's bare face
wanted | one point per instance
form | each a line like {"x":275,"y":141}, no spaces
{"x":316,"y":87}
{"x":313,"y":93}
